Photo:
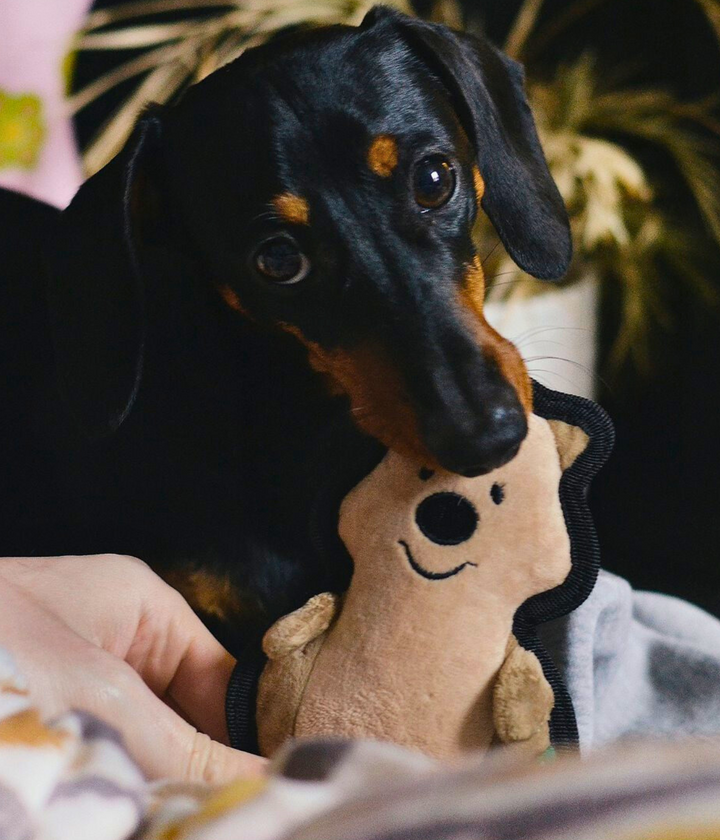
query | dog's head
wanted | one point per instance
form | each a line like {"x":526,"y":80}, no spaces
{"x":328,"y":184}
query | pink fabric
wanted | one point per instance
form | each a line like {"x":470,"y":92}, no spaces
{"x":35,"y":36}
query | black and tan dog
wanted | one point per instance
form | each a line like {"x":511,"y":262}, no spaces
{"x":286,"y":248}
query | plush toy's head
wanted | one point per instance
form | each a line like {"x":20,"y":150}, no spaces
{"x":420,"y":649}
{"x":433,"y":535}
{"x":434,"y":644}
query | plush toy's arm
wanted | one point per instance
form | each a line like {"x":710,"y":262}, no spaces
{"x":522,"y":700}
{"x":295,"y":630}
{"x":291,"y":645}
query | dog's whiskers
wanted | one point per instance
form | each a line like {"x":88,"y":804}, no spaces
{"x":552,"y":373}
{"x":504,"y":274}
{"x":523,"y":336}
{"x":592,"y":375}
{"x":500,"y":285}
{"x":492,"y":251}
{"x":270,"y":214}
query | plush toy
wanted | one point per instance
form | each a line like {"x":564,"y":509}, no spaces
{"x":420,"y":650}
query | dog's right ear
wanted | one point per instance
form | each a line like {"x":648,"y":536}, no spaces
{"x":488,"y":91}
{"x":96,"y":292}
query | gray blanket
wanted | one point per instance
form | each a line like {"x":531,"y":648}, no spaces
{"x":638,"y":664}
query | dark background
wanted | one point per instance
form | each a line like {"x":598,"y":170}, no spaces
{"x":656,"y":503}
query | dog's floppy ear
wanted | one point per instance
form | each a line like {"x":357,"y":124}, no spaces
{"x":488,"y":92}
{"x":96,"y":293}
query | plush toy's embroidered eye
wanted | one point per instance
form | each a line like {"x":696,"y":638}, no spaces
{"x":425,"y":473}
{"x":281,"y":260}
{"x":433,"y":182}
{"x":497,"y":493}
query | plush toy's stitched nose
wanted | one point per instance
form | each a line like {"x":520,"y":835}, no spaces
{"x":446,"y":518}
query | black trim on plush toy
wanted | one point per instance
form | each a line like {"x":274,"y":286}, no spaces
{"x":547,"y":606}
{"x":241,"y":698}
{"x":584,"y":546}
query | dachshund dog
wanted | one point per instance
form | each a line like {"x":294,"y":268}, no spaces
{"x":272,"y":281}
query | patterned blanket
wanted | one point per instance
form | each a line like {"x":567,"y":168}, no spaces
{"x":71,"y":779}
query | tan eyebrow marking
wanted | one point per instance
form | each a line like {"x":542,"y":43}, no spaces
{"x":292,"y":208}
{"x":479,"y":184}
{"x":382,"y":155}
{"x":232,"y":300}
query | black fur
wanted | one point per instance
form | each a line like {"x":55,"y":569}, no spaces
{"x":144,"y":416}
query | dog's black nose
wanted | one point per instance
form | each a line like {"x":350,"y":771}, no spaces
{"x":481,"y":445}
{"x":446,"y":518}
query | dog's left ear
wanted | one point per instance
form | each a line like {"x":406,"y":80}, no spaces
{"x":488,"y":92}
{"x":96,"y":293}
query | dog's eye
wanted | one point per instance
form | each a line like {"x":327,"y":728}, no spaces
{"x":280,"y":260}
{"x":433,"y":182}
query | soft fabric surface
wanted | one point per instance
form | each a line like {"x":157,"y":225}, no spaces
{"x":69,"y":779}
{"x":72,"y":779}
{"x":638,"y":664}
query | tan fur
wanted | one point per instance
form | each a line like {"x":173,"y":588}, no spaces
{"x":208,"y":593}
{"x":499,"y":349}
{"x":231,"y":299}
{"x":473,"y":289}
{"x":382,"y":155}
{"x":378,"y":404}
{"x":478,"y":183}
{"x":292,"y":208}
{"x":424,"y":662}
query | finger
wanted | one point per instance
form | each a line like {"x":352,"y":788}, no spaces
{"x":167,"y":747}
{"x":97,"y":596}
{"x":164,"y":745}
{"x":66,"y":672}
{"x":120,"y":605}
{"x":183,"y":663}
{"x":200,"y":684}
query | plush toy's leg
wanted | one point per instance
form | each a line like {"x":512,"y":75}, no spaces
{"x":522,"y":701}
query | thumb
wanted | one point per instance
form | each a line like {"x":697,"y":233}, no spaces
{"x":164,"y":745}
{"x":200,"y":759}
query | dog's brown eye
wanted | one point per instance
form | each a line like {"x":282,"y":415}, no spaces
{"x":280,"y":260}
{"x":433,"y":182}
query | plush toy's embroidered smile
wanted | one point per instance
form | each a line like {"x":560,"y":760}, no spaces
{"x":416,"y":567}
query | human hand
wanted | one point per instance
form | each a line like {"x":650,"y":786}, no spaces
{"x":107,"y":635}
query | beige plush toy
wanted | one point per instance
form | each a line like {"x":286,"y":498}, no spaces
{"x":420,"y":650}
